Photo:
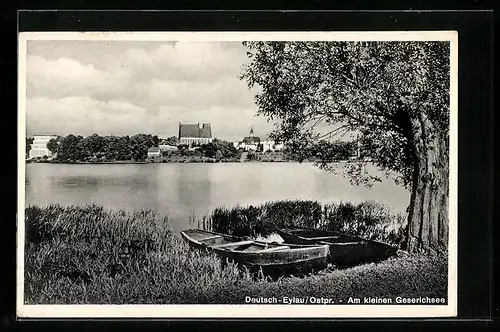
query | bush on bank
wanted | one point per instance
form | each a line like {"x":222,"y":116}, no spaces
{"x":367,"y":219}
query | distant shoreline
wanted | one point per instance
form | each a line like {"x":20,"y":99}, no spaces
{"x":157,"y":162}
{"x":181,"y":162}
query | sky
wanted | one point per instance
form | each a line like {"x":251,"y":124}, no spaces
{"x":130,"y":87}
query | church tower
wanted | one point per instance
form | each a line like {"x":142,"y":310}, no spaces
{"x":251,"y":132}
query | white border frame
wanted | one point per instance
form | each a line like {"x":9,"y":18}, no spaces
{"x":242,"y":311}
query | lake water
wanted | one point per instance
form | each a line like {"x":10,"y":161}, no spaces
{"x":181,"y":190}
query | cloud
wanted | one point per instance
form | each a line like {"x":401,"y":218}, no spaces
{"x":66,"y":115}
{"x":65,"y":77}
{"x":114,"y":88}
{"x":196,"y":94}
{"x":183,"y":72}
{"x":185,"y":61}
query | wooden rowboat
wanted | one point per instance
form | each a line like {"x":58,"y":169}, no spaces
{"x":272,"y":258}
{"x":345,"y":250}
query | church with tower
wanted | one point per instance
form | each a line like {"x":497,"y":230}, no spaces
{"x":251,"y":139}
{"x":254,"y":143}
{"x":249,"y":143}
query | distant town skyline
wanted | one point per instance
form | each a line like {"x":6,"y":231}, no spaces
{"x":125,"y":88}
{"x":45,"y":134}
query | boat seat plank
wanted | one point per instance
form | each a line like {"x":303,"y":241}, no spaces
{"x":346,"y":243}
{"x":276,"y":248}
{"x":210,"y":237}
{"x":324,"y":237}
{"x":233,"y":244}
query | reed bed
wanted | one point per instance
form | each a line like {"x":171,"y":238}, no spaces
{"x":368,"y":219}
{"x":91,"y":255}
{"x":87,"y":254}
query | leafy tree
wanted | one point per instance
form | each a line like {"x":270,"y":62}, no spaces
{"x":173,"y":140}
{"x":92,"y":145}
{"x":139,"y":145}
{"x":209,"y":150}
{"x":156,"y":140}
{"x":220,"y":148}
{"x":69,"y":148}
{"x":394,"y":94}
{"x":117,"y":148}
{"x":124,"y":149}
{"x":226,"y":148}
{"x":332,"y":151}
{"x":218,"y":155}
{"x":345,"y":150}
{"x":53,"y":144}
{"x":29,"y":141}
{"x":182,"y":148}
{"x":109,"y":144}
{"x":367,"y":149}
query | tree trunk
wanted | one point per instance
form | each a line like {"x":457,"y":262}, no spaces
{"x":428,"y":211}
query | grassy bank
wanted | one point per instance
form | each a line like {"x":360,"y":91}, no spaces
{"x":90,"y":255}
{"x":368,"y":219}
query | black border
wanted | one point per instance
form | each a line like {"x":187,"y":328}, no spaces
{"x":475,"y":190}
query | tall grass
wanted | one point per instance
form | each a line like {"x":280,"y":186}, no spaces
{"x":368,"y":219}
{"x":90,"y":255}
{"x":411,"y":276}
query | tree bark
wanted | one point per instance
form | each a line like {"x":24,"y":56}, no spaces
{"x":428,"y":211}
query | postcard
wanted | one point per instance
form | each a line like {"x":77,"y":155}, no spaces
{"x":237,"y":174}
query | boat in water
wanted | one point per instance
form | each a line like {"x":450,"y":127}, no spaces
{"x":270,"y":258}
{"x":345,"y":250}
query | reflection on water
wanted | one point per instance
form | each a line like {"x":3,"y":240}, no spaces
{"x":179,"y":190}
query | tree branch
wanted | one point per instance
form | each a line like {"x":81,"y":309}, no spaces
{"x":318,"y":121}
{"x":334,"y":131}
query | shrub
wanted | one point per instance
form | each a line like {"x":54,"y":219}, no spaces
{"x":367,"y":219}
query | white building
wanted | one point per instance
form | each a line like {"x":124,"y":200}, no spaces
{"x":166,"y":147}
{"x":251,"y":147}
{"x":39,"y":146}
{"x":271,"y":146}
{"x":154,"y":152}
{"x":279,"y":147}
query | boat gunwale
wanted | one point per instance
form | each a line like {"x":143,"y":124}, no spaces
{"x":292,"y":247}
{"x":287,"y":231}
{"x":264,"y":252}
